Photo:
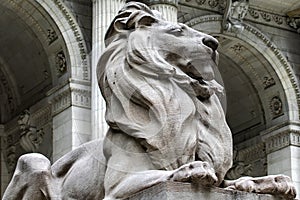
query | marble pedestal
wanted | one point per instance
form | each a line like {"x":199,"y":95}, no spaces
{"x":186,"y":191}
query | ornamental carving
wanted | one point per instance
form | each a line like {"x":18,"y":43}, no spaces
{"x":254,"y":13}
{"x":239,"y":168}
{"x":266,"y":16}
{"x":213,"y":3}
{"x":200,"y":2}
{"x":268,"y":82}
{"x":61,"y":63}
{"x":281,"y":139}
{"x":11,"y":158}
{"x":51,"y":36}
{"x":276,"y":107}
{"x":237,"y":48}
{"x":234,"y":14}
{"x":30,"y":137}
{"x":294,"y":23}
{"x":78,"y":35}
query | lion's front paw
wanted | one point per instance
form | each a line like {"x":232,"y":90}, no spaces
{"x":273,"y":184}
{"x":197,"y":172}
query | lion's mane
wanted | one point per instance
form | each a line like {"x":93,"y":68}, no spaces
{"x":152,"y":101}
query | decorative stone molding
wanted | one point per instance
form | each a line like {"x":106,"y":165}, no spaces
{"x":267,"y":17}
{"x":253,"y":153}
{"x":81,"y":97}
{"x":253,"y":14}
{"x":72,"y":94}
{"x":282,"y":140}
{"x":61,"y":100}
{"x":281,"y":136}
{"x":42,"y":116}
{"x":78,"y":35}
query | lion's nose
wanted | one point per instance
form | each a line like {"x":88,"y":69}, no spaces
{"x":211,"y":42}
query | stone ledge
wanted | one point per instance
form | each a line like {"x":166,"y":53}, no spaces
{"x":187,"y":191}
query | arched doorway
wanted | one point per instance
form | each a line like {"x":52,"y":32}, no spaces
{"x":44,"y":82}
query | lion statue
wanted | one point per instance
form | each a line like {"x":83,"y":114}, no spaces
{"x":166,"y":121}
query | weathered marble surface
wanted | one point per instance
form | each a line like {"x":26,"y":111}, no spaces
{"x":187,"y":191}
{"x":166,"y":121}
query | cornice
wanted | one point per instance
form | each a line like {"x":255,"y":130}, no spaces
{"x":281,"y":136}
{"x":253,"y":15}
{"x":71,"y":94}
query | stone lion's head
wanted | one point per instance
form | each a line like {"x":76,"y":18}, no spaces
{"x":155,"y":76}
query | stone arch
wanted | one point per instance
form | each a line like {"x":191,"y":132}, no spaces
{"x":72,"y":36}
{"x":37,"y":35}
{"x":47,"y":42}
{"x":255,"y":39}
{"x":268,"y":82}
{"x":53,"y":19}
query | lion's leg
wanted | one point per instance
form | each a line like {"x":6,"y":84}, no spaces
{"x":31,"y":180}
{"x":272,"y":184}
{"x":196,"y":172}
{"x":130,"y":170}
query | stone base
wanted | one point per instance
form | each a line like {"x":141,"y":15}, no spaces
{"x":187,"y":191}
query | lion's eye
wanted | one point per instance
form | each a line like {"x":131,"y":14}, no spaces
{"x":176,"y":31}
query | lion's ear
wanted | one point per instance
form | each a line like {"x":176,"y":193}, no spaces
{"x":128,"y":20}
{"x":134,"y":20}
{"x":140,"y":18}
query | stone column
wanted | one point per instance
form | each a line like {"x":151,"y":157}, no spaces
{"x":168,"y":8}
{"x":283,"y":151}
{"x":103,"y":13}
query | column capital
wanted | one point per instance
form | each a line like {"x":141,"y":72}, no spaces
{"x":282,"y":136}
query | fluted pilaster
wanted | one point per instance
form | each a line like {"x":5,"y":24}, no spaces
{"x":103,"y":13}
{"x":168,"y":8}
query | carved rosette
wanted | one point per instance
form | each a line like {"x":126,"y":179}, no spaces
{"x":276,"y":107}
{"x":61,"y":63}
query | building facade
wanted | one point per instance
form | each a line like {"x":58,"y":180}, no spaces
{"x":50,"y":101}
